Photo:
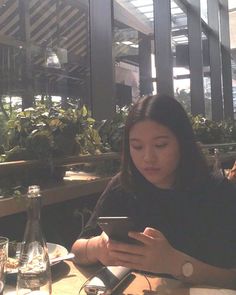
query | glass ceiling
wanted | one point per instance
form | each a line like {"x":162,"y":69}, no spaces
{"x":143,"y":9}
{"x":146,"y":7}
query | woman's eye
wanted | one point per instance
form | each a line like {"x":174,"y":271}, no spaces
{"x":136,"y":147}
{"x":161,"y":145}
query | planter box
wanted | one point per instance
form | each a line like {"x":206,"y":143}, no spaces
{"x":72,"y":186}
{"x":65,"y":191}
{"x":10,"y":167}
{"x":39,"y":172}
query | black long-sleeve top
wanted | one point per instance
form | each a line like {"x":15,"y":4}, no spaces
{"x":200,"y":223}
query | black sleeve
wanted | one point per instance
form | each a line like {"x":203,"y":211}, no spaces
{"x":218,"y":244}
{"x":104,"y":205}
{"x":225,"y":235}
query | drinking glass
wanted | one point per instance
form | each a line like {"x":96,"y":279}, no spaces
{"x":3,"y":258}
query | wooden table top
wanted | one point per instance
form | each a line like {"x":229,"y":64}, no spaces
{"x":137,"y":284}
{"x":69,"y":278}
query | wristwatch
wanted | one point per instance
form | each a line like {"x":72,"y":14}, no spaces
{"x":187,"y":269}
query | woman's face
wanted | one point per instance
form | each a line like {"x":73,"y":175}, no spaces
{"x":155,"y":152}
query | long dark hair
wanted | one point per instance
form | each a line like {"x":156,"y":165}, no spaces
{"x":192,"y":169}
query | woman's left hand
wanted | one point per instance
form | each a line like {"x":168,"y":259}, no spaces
{"x":152,"y":254}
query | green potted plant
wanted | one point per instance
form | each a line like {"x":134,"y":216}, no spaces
{"x":45,"y":136}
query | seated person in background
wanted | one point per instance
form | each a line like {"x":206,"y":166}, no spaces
{"x":185,"y":217}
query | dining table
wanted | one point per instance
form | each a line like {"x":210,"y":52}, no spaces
{"x":69,"y":279}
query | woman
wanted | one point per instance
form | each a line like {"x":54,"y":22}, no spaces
{"x":185,"y":218}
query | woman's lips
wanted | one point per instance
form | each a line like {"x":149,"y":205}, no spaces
{"x":151,"y":170}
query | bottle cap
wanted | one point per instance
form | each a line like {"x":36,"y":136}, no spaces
{"x":33,"y":191}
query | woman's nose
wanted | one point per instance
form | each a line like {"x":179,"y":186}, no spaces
{"x":149,"y":156}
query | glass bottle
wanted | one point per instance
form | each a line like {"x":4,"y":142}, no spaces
{"x":34,"y":274}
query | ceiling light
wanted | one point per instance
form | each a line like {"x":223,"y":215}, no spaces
{"x":52,"y":60}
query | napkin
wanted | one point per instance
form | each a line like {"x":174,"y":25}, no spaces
{"x":208,"y":291}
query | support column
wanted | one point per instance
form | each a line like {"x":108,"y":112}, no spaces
{"x":145,"y":67}
{"x":102,"y":70}
{"x":27,"y":75}
{"x":215,"y":60}
{"x":164,"y":56}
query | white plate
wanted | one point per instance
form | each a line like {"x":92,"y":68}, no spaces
{"x":54,"y":250}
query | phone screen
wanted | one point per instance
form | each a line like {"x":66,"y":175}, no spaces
{"x":117,"y":228}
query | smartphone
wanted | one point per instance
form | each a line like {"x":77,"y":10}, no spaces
{"x":107,"y":280}
{"x":117,"y":227}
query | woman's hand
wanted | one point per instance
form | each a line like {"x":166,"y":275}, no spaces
{"x":101,"y":250}
{"x":153,"y":254}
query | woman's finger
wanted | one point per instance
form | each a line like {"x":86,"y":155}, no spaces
{"x":141,"y":237}
{"x":152,"y":232}
{"x":126,"y":258}
{"x":123,"y":247}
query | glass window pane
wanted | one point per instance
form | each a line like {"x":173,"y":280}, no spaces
{"x":207,"y":76}
{"x":180,"y":56}
{"x":133,"y":50}
{"x":142,"y":2}
{"x":204,"y":10}
{"x":46,"y":54}
{"x":10,"y":19}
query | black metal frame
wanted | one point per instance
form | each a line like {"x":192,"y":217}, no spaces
{"x":195,"y":58}
{"x":145,"y":68}
{"x":27,"y":95}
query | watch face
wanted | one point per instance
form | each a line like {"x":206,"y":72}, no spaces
{"x":187,"y":269}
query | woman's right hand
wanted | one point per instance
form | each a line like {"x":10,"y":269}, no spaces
{"x":102,"y":251}
{"x":92,"y":250}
